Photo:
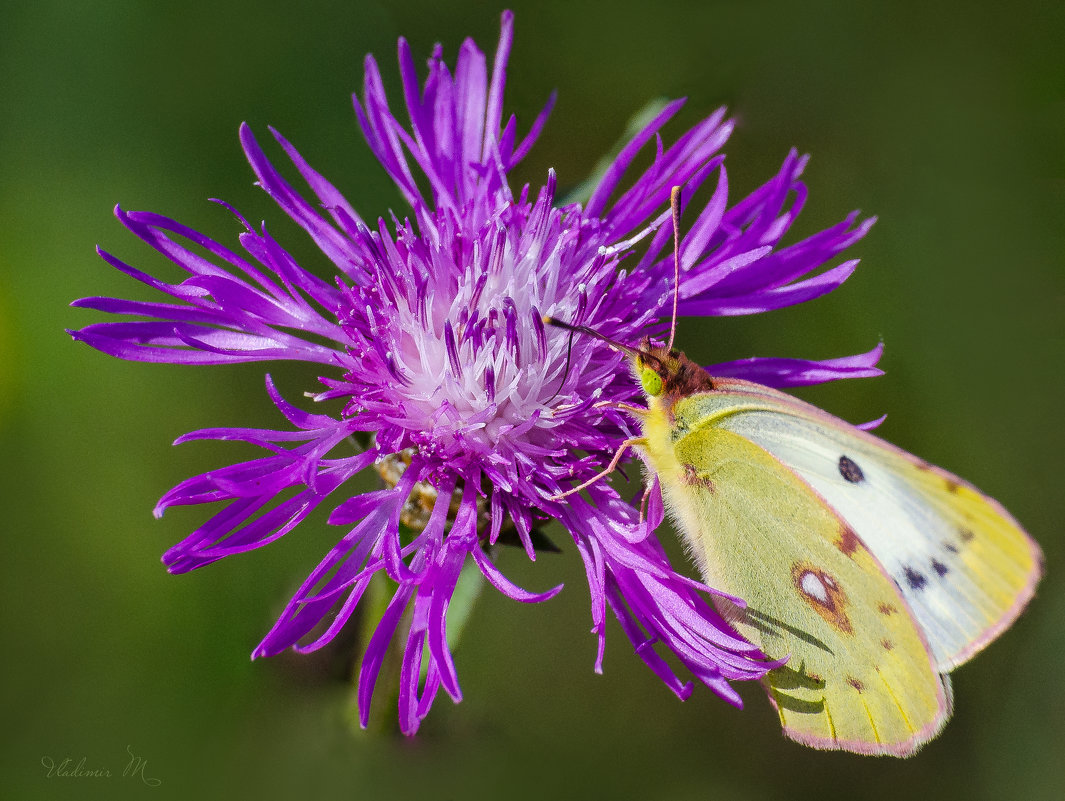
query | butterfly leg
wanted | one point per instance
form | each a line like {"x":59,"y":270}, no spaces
{"x":636,"y":411}
{"x":602,"y":474}
{"x":643,"y":502}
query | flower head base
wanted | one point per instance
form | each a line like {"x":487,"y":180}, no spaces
{"x":432,"y":337}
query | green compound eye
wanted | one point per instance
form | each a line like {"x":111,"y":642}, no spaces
{"x":651,"y":382}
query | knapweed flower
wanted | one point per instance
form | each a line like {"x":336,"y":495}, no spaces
{"x":431,"y":335}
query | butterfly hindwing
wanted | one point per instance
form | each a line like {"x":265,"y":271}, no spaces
{"x":859,"y":674}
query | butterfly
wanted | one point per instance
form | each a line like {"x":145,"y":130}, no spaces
{"x":871,"y":571}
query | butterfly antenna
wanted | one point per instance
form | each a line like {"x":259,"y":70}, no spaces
{"x":583,"y":329}
{"x":674,"y":204}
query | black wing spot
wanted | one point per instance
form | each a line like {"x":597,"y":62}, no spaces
{"x":914,"y":579}
{"x":940,"y":568}
{"x":850,"y":470}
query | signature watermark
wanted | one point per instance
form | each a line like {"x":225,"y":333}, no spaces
{"x":70,"y":768}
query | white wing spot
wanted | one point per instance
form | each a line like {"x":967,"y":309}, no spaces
{"x":811,"y":584}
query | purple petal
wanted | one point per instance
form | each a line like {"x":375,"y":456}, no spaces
{"x":767,"y":300}
{"x":781,"y":373}
{"x":505,"y":586}
{"x":612,"y":177}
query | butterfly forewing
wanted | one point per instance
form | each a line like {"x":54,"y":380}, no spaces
{"x":963,"y":564}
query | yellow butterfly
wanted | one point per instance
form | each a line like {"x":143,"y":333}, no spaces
{"x":874,"y":572}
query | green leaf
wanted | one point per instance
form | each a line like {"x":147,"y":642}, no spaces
{"x":637,"y":122}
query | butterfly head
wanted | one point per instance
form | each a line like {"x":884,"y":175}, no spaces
{"x":668,"y":372}
{"x":664,"y":372}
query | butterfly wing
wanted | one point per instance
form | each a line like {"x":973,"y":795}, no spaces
{"x":964,"y":566}
{"x":860,"y":676}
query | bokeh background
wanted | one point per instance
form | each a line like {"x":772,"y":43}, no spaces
{"x":947,"y":123}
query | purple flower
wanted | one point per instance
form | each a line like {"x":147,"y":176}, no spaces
{"x":431,"y":336}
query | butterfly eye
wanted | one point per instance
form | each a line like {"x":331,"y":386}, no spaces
{"x":651,"y":381}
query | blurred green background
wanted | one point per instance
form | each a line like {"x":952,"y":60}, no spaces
{"x":946,"y":123}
